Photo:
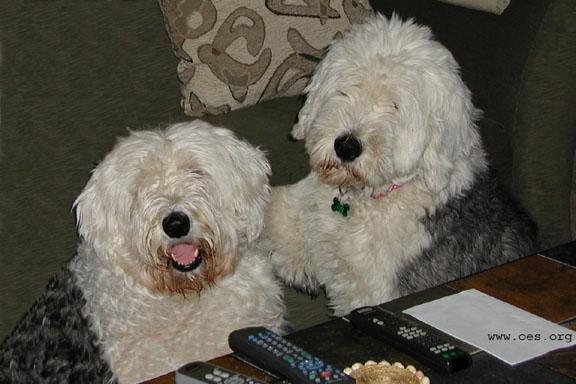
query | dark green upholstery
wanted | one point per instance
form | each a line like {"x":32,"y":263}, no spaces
{"x":76,"y":74}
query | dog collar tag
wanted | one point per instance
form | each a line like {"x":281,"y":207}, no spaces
{"x":337,"y":206}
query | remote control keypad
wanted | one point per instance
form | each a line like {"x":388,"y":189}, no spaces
{"x":296,"y":357}
{"x":219,"y":376}
{"x":431,"y":343}
{"x":405,"y":335}
{"x":205,"y":373}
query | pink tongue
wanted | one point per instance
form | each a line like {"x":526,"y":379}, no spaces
{"x":183,"y":253}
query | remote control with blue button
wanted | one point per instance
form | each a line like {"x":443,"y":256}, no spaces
{"x":439,"y":354}
{"x":272,"y":352}
{"x":205,"y":373}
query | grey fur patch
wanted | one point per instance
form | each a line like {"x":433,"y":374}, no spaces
{"x":480,"y":229}
{"x":53,"y":342}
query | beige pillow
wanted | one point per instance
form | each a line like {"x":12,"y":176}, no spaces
{"x":492,"y":6}
{"x":238,"y":53}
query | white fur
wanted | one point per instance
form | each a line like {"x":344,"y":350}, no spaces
{"x":148,"y":318}
{"x":397,"y":90}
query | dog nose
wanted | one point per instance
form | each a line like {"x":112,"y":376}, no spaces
{"x":176,"y":224}
{"x":347,"y":148}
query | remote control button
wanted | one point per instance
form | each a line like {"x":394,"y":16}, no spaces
{"x":235,"y":380}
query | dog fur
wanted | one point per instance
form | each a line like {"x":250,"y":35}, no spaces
{"x":389,"y":127}
{"x":146,"y":294}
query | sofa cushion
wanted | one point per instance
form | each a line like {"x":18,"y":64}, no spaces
{"x":492,"y":6}
{"x":238,"y":53}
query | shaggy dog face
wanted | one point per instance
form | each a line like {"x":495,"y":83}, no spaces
{"x":168,"y":264}
{"x":399,"y":197}
{"x":386,"y":105}
{"x":192,"y":198}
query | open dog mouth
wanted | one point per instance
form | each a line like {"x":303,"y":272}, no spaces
{"x":185,"y":257}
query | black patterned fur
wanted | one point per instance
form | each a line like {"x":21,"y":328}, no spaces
{"x":480,"y":229}
{"x":53,"y":343}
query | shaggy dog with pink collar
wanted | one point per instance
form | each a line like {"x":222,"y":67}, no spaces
{"x":400,"y":196}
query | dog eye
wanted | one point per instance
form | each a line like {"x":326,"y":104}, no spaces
{"x":340,"y":93}
{"x":395,"y":105}
{"x":196,"y":171}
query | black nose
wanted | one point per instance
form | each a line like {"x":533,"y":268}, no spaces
{"x":176,"y":225}
{"x":347,"y":148}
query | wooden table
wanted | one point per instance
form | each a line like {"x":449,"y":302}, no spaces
{"x":544,"y":284}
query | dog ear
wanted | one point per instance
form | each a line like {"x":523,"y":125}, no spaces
{"x":316,"y":93}
{"x":324,"y":83}
{"x":87,"y":207}
{"x":301,"y":128}
{"x":256,"y":194}
{"x":243,"y":178}
{"x":98,"y":207}
{"x":455,"y":151}
{"x":314,"y":101}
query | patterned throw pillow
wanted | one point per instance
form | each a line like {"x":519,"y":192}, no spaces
{"x":237,"y":53}
{"x":492,"y":6}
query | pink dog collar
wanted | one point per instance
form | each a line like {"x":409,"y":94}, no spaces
{"x":386,"y":192}
{"x":340,"y":199}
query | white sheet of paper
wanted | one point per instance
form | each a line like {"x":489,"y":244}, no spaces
{"x":502,"y":330}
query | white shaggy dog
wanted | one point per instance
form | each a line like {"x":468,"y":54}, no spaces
{"x":399,"y":197}
{"x":169,"y":261}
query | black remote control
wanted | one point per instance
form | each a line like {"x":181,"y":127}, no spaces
{"x":205,"y":373}
{"x":272,"y":352}
{"x":431,"y":350}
